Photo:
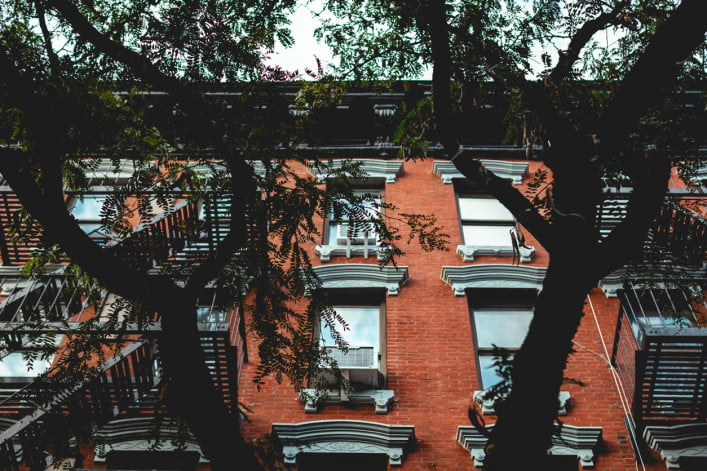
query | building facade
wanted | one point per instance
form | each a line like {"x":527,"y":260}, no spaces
{"x":422,"y":334}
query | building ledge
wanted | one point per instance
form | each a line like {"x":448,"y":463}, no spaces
{"x":389,"y":170}
{"x":567,"y":440}
{"x":382,"y":399}
{"x":677,"y":441}
{"x":487,"y":405}
{"x":492,"y":276}
{"x":345,"y":436}
{"x":514,"y":171}
{"x":469,"y":252}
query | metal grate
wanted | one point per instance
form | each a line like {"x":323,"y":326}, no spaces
{"x":671,"y":377}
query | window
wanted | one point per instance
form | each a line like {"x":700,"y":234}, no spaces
{"x":485,"y":222}
{"x":351,"y":225}
{"x":487,"y":227}
{"x":363,"y":364}
{"x":348,"y":219}
{"x":87,"y":211}
{"x":500,"y":319}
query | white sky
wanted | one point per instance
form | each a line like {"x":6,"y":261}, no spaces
{"x":303,"y":53}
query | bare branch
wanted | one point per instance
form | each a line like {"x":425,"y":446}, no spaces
{"x":569,"y":56}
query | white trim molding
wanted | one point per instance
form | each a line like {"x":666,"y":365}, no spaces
{"x":381,"y":399}
{"x":362,"y":275}
{"x":487,"y":405}
{"x":567,"y":440}
{"x":345,"y":436}
{"x":492,"y":275}
{"x":349,"y":250}
{"x":514,"y":171}
{"x":674,"y":442}
{"x":389,"y":170}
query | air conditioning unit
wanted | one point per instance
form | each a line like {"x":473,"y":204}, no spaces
{"x":358,"y":364}
{"x":363,"y":233}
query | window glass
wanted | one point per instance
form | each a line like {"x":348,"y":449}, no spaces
{"x":504,"y":328}
{"x":15,"y":366}
{"x":483,"y":209}
{"x":88,"y":207}
{"x":363,"y":328}
{"x":493,"y":236}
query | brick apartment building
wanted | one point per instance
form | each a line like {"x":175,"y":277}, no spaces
{"x":421,"y":333}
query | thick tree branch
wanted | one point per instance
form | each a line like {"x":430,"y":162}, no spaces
{"x":654,"y":74}
{"x":141,"y":66}
{"x":61,"y":228}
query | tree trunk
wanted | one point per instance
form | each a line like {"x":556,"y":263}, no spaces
{"x":522,"y":433}
{"x":191,"y":392}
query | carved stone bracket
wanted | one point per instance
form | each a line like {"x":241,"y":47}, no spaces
{"x":389,"y":170}
{"x":362,"y":275}
{"x":487,"y":408}
{"x":567,"y":440}
{"x":514,"y":171}
{"x":492,"y":276}
{"x":382,"y":399}
{"x":677,"y":441}
{"x":469,"y":252}
{"x":345,"y":436}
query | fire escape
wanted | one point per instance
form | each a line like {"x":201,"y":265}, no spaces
{"x":660,"y":341}
{"x":44,"y":419}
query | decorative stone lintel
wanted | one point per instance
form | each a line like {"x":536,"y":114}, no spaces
{"x":566,"y":440}
{"x":461,"y":278}
{"x":362,"y":275}
{"x":469,"y":252}
{"x":487,"y":408}
{"x":325,"y":252}
{"x":389,"y":170}
{"x":677,"y":441}
{"x":345,"y":436}
{"x":382,"y":399}
{"x":514,"y":171}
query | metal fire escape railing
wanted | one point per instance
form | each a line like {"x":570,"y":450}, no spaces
{"x":32,"y":415}
{"x":678,"y":236}
{"x":660,"y":353}
{"x":31,"y":411}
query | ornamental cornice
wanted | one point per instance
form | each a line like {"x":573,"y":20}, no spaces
{"x":389,"y":170}
{"x":677,"y":441}
{"x":566,"y":440}
{"x":461,"y":278}
{"x":345,"y":436}
{"x":514,"y":171}
{"x":362,"y":275}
